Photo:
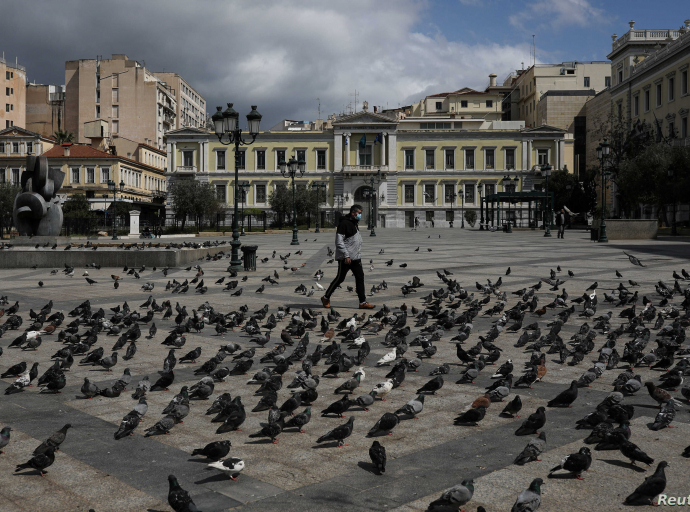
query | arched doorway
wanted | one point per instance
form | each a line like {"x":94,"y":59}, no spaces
{"x":362,"y":198}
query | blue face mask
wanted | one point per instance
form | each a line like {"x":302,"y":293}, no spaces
{"x":359,"y":216}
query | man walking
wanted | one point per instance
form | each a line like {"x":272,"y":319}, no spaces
{"x":560,"y":222}
{"x":348,"y":244}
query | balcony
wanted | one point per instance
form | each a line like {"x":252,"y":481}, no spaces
{"x":364,"y":169}
{"x":185,"y":169}
{"x":644,"y":36}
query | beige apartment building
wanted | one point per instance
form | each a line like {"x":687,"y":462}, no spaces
{"x":191,"y":106}
{"x":13,"y":92}
{"x":131,"y":99}
{"x":45,"y":108}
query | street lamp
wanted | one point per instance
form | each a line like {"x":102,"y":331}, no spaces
{"x":244,"y":187}
{"x":546,"y":171}
{"x":290,"y":170}
{"x":603,"y":151}
{"x":227,"y":129}
{"x":674,"y":231}
{"x":113,"y":189}
{"x":452,"y":197}
{"x":373,"y":182}
{"x":317,"y":187}
{"x":508,"y":182}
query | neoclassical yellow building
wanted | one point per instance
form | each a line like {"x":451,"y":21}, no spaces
{"x":431,"y":167}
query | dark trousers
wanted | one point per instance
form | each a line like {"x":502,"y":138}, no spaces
{"x":561,"y":230}
{"x":343,"y":268}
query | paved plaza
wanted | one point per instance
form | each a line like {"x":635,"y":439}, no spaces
{"x":425,"y":456}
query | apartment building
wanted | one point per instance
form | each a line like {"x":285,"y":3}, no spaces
{"x":191,"y":106}
{"x":135,"y":103}
{"x":15,"y":144}
{"x":13,"y":93}
{"x":45,"y":108}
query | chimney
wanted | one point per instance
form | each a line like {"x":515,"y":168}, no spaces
{"x":65,"y":148}
{"x":376,"y":109}
{"x":492,"y":80}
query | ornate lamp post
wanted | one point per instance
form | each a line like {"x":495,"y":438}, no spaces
{"x":227,"y":129}
{"x":244,"y":189}
{"x":290,"y":170}
{"x":674,"y":231}
{"x":452,"y":197}
{"x":317,"y":187}
{"x":603,"y":151}
{"x":507,"y":183}
{"x":113,"y":188}
{"x":546,"y":171}
{"x":462,"y":210}
{"x":373,"y":182}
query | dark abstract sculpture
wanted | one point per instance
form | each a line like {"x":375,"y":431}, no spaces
{"x":37,"y":212}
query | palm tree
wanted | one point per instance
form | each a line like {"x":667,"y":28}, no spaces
{"x":63,"y":136}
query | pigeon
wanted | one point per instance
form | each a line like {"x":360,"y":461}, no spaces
{"x":649,"y":489}
{"x":377,"y":453}
{"x":432,"y":386}
{"x":413,"y":407}
{"x":127,"y":425}
{"x":88,"y":389}
{"x":513,"y":407}
{"x":532,"y":451}
{"x":163,"y":426}
{"x":4,"y":437}
{"x":529,"y":499}
{"x":300,"y":420}
{"x":215,"y":450}
{"x":565,"y":398}
{"x":533,"y":423}
{"x":231,"y":467}
{"x":386,"y":424}
{"x":633,"y":452}
{"x":54,"y":441}
{"x":179,"y":499}
{"x":575,"y":463}
{"x":455,"y":497}
{"x":39,"y":462}
{"x":633,"y":259}
{"x":471,"y":417}
{"x":665,"y":416}
{"x":338,"y":434}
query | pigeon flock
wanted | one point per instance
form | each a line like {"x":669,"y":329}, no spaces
{"x":259,"y":374}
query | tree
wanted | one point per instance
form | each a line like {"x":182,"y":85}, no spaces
{"x":207,"y":203}
{"x":8,"y":192}
{"x":281,"y":200}
{"x":471,"y":217}
{"x":76,"y":206}
{"x":183,"y":194}
{"x":63,"y":136}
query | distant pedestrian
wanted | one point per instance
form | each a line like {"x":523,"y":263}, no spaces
{"x":432,"y":223}
{"x":160,"y":232}
{"x":416,"y":223}
{"x":560,"y":222}
{"x":348,"y":246}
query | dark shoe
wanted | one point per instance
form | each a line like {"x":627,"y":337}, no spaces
{"x":326,"y":302}
{"x":366,"y":305}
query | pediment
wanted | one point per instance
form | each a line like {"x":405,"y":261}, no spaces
{"x":187,"y":130}
{"x":15,"y":131}
{"x":365,"y":118}
{"x":545,"y":128}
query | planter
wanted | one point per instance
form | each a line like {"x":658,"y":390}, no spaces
{"x":629,"y":229}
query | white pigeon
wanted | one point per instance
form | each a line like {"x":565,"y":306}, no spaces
{"x":32,"y":334}
{"x":387,"y":358}
{"x":383,"y":388}
{"x":352,"y":322}
{"x":319,"y":287}
{"x":71,"y":274}
{"x":86,"y":273}
{"x":371,"y":268}
{"x":230,"y":467}
{"x":359,"y":341}
{"x":361,"y":374}
{"x":23,"y":380}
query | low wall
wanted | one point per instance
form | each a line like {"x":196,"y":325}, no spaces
{"x":629,"y":229}
{"x":104,"y":256}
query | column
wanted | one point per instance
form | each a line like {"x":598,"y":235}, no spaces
{"x":392,"y":153}
{"x":561,"y":154}
{"x":338,"y":152}
{"x":556,"y":160}
{"x":529,"y":155}
{"x":172,"y":151}
{"x":524,"y":154}
{"x":347,"y":148}
{"x":383,"y":149}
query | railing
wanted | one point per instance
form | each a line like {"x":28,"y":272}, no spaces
{"x":644,"y":35}
{"x":681,"y":142}
{"x":185,"y":169}
{"x":660,"y":54}
{"x":13,"y":66}
{"x":57,"y":96}
{"x":365,"y":168}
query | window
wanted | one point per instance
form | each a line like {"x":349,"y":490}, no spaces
{"x":409,"y":159}
{"x":510,"y":159}
{"x":683,"y":127}
{"x":220,"y":160}
{"x":7,"y":107}
{"x":260,"y":193}
{"x":490,"y":157}
{"x":469,"y":159}
{"x":620,"y":111}
{"x":684,"y":82}
{"x":240,"y":156}
{"x":98,"y":111}
{"x":463,"y":104}
{"x":542,"y":156}
{"x":7,"y":91}
{"x":116,"y":111}
{"x":429,"y":193}
{"x":489,"y":103}
{"x":2,"y":147}
{"x":646,"y":100}
{"x":636,"y":106}
{"x":116,"y":80}
{"x":586,"y":81}
{"x":620,"y":76}
{"x":301,"y":155}
{"x":321,"y":159}
{"x":449,"y":195}
{"x":116,"y":96}
{"x":2,"y":176}
{"x":439,"y":105}
{"x":280,"y":157}
{"x":29,"y":147}
{"x":430,"y":216}
{"x":15,"y":147}
{"x":15,"y":176}
{"x":105,"y":174}
{"x":607,"y":81}
{"x":469,"y":194}
{"x":188,"y":158}
{"x":116,"y":126}
{"x":409,"y":194}
{"x":98,"y":95}
{"x":671,"y":87}
{"x":75,"y":175}
{"x":434,"y":126}
{"x":221,"y":193}
{"x":450,"y":159}
{"x":671,"y":130}
{"x":429,"y":158}
{"x":658,"y":95}
{"x":489,"y":189}
{"x":365,"y":155}
{"x":261,"y":160}
{"x":90,"y":175}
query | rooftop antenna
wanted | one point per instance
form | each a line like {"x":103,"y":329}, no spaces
{"x":534,"y":51}
{"x":356,"y":94}
{"x":319,"y":100}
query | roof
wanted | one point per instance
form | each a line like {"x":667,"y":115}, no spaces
{"x":589,"y":92}
{"x":83,"y":151}
{"x":152,"y":148}
{"x":464,"y":90}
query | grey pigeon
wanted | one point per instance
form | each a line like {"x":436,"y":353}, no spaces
{"x":4,"y":437}
{"x":89,"y":389}
{"x":531,"y":453}
{"x":54,"y":441}
{"x":454,"y":497}
{"x":529,"y":499}
{"x":365,"y":401}
{"x":651,"y":487}
{"x":665,"y":416}
{"x":413,"y":407}
{"x":163,"y":426}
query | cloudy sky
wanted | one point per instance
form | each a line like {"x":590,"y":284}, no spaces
{"x":284,"y":54}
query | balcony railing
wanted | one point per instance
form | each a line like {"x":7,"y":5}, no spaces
{"x":644,"y":35}
{"x":185,"y":169}
{"x":365,"y":169}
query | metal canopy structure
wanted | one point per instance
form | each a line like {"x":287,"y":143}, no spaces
{"x":490,"y":208}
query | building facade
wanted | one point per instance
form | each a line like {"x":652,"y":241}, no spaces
{"x":45,"y":108}
{"x":432,"y":167}
{"x":135,"y":103}
{"x":15,"y":144}
{"x":13,"y":93}
{"x":191,"y":106}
